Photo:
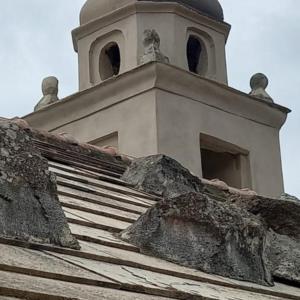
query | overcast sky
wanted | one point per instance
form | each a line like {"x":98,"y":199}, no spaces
{"x":36,"y":42}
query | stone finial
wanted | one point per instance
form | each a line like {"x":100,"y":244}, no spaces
{"x":151,"y":42}
{"x":50,"y":92}
{"x":259,"y":82}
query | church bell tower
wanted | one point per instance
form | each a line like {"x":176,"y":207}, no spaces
{"x":110,"y":39}
{"x":153,"y":79}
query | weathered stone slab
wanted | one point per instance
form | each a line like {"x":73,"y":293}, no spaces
{"x":96,"y":219}
{"x":150,"y":263}
{"x":160,"y":284}
{"x":97,"y":209}
{"x":101,"y":200}
{"x":99,"y":183}
{"x":162,"y":176}
{"x":282,"y":216}
{"x":31,"y":288}
{"x":29,"y":206}
{"x":104,"y":192}
{"x":284,"y":257}
{"x":32,"y":261}
{"x":196,"y":231}
{"x":100,"y":236}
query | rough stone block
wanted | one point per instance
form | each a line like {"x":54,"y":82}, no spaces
{"x":196,"y":231}
{"x":284,"y":257}
{"x":29,"y":206}
{"x":282,"y":219}
{"x":162,"y":176}
{"x":282,"y":216}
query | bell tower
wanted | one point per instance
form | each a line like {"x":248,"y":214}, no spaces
{"x":153,"y":80}
{"x":110,"y":39}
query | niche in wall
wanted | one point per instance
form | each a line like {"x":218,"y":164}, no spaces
{"x":225,"y":161}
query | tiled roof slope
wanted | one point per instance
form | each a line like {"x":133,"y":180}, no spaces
{"x":99,"y":205}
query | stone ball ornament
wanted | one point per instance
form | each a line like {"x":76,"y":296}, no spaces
{"x":258,"y":83}
{"x":259,"y":80}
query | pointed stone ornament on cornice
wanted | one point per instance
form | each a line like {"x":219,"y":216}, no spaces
{"x":50,"y":92}
{"x":259,"y":82}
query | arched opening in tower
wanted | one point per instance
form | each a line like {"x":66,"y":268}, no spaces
{"x":193,"y":51}
{"x":110,"y":61}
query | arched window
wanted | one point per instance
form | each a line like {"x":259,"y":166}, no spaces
{"x":196,"y":55}
{"x":110,"y":61}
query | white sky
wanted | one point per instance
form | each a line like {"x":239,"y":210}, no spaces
{"x":36,"y":42}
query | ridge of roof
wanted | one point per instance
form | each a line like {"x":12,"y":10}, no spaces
{"x":106,"y":155}
{"x":71,"y":144}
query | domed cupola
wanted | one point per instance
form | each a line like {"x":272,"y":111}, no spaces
{"x":116,"y":36}
{"x":94,"y":9}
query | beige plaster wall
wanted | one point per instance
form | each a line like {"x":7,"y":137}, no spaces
{"x":180,"y":122}
{"x":158,"y":108}
{"x":133,"y":120}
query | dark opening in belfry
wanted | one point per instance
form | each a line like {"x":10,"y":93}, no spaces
{"x":193,"y":51}
{"x":110,"y":61}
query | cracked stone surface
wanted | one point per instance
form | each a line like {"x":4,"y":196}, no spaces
{"x":191,"y":225}
{"x":284,"y":257}
{"x":282,"y":218}
{"x":162,"y":176}
{"x":196,"y":231}
{"x":29,"y":206}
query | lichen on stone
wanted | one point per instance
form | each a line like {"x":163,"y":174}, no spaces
{"x":29,"y":206}
{"x":238,"y":235}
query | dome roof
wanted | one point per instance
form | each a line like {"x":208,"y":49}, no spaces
{"x":93,"y":9}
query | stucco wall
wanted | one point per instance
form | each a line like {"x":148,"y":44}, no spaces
{"x":181,"y":120}
{"x":158,"y":108}
{"x":134,"y":120}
